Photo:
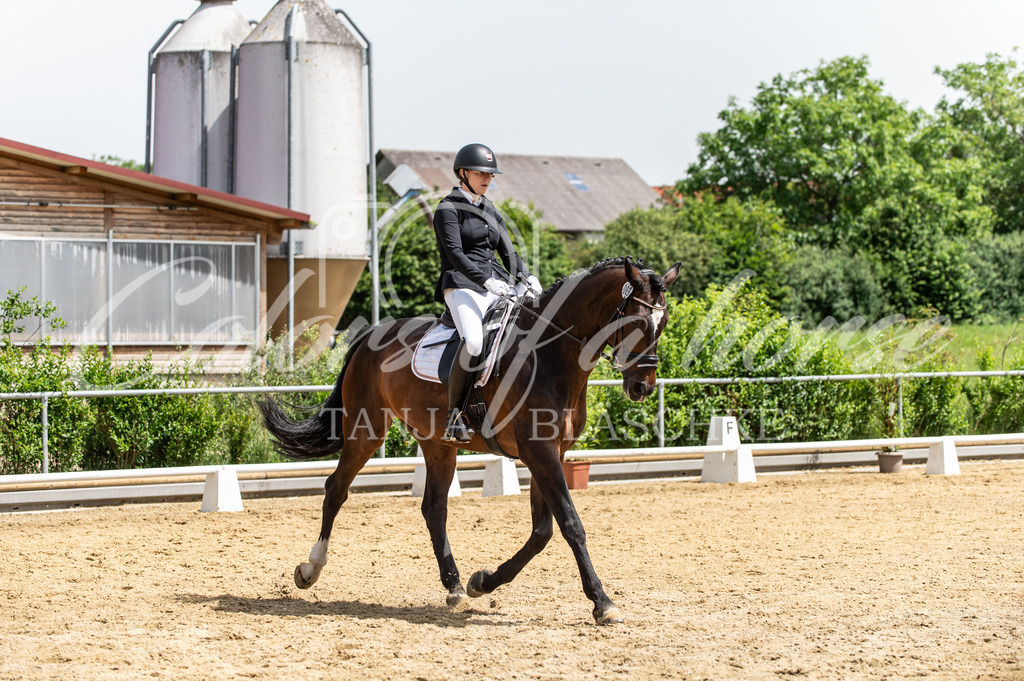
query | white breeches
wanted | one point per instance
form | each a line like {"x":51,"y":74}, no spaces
{"x":468,"y":309}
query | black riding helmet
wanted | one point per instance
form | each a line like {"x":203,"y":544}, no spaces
{"x":475,"y":157}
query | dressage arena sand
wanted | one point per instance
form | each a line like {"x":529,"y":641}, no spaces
{"x":846,"y":574}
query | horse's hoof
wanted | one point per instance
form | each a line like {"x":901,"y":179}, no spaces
{"x":301,"y":580}
{"x":608,"y":616}
{"x":456,"y":598}
{"x":475,"y":585}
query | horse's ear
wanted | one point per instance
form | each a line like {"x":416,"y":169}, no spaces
{"x":633,"y":275}
{"x":672,"y":273}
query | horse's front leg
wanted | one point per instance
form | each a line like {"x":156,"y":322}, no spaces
{"x":441,"y":461}
{"x":546,"y":467}
{"x":486,"y":581}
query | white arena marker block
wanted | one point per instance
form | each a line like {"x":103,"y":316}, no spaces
{"x":419,"y":482}
{"x":500,"y":478}
{"x":942,"y":459}
{"x":221,"y":492}
{"x":725,"y":432}
{"x":733,"y":466}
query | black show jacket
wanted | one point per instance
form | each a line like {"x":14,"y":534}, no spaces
{"x":467,"y":238}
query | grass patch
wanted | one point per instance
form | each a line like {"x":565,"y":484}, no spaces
{"x":1004,"y":339}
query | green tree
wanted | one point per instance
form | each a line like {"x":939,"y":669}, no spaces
{"x":715,"y":241}
{"x":822,"y":144}
{"x":540,"y":245}
{"x":987,"y":120}
{"x":851,"y":167}
{"x":410,"y":267}
{"x":836,"y":283}
{"x":114,"y":160}
{"x":996,"y":263}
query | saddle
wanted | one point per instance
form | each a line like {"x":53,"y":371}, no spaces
{"x":436,"y":352}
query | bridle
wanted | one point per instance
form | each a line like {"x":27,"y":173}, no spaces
{"x":635,"y":361}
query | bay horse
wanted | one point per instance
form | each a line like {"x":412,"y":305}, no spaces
{"x":537,"y":408}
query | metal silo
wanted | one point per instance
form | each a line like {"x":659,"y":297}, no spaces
{"x":192,"y":79}
{"x":301,"y":142}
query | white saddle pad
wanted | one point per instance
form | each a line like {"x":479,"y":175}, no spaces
{"x":425,"y":360}
{"x":427,"y":356}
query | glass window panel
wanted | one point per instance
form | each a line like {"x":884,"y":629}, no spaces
{"x":75,"y":279}
{"x":245,"y":294}
{"x":19,"y":266}
{"x":202,"y":293}
{"x":142,"y":292}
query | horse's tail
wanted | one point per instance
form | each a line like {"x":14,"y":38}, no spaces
{"x":321,"y":434}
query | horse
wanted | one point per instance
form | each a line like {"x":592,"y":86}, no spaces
{"x":537,"y":408}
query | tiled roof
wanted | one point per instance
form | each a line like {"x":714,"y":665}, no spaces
{"x":575,"y":194}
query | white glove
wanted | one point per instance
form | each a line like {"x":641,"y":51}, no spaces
{"x":499,"y":288}
{"x":534,"y":284}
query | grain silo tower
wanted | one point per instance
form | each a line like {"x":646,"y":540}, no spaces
{"x":301,"y":142}
{"x":192,"y":99}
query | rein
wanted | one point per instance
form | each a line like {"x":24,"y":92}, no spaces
{"x":640,"y":360}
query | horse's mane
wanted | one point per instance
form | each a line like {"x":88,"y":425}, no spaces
{"x":608,"y":263}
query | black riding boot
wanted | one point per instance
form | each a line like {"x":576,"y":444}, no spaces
{"x":456,"y":429}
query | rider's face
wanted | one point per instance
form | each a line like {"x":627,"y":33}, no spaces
{"x":479,"y":182}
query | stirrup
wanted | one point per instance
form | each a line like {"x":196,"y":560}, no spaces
{"x":456,"y":429}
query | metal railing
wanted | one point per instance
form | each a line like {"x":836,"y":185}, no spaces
{"x":46,"y":396}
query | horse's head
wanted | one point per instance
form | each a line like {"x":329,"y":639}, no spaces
{"x":640,"y":319}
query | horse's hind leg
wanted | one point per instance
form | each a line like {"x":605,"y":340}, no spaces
{"x":336,"y":493}
{"x":485,"y":581}
{"x":440,"y":460}
{"x":364,"y":437}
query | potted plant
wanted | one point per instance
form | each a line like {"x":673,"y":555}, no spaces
{"x":890,"y":460}
{"x":577,"y":473}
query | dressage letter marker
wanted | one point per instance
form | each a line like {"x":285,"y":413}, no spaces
{"x":736,"y":465}
{"x":942,"y":458}
{"x":500,"y":478}
{"x":221,"y":492}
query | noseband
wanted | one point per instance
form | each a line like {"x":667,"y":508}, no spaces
{"x":635,"y":361}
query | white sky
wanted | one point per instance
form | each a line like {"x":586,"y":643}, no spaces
{"x":637,"y":80}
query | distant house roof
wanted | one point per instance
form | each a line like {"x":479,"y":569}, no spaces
{"x":576,"y":194}
{"x":180,"y":191}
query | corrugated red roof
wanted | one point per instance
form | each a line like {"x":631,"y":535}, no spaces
{"x":150,"y":182}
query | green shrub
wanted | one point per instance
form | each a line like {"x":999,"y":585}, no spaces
{"x":150,"y":431}
{"x":731,"y":332}
{"x":243,"y":439}
{"x":833,"y":283}
{"x":997,"y":404}
{"x":35,"y":368}
{"x":996,"y":263}
{"x":21,"y":430}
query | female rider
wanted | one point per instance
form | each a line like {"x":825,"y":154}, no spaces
{"x":469,"y":230}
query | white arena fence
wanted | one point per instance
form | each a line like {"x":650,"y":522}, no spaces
{"x":723,"y":459}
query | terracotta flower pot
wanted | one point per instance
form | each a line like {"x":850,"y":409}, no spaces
{"x":890,"y":462}
{"x":577,"y":473}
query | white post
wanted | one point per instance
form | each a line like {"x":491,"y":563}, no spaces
{"x":419,"y":479}
{"x":942,"y":459}
{"x":736,"y":465}
{"x":221,"y":492}
{"x":500,"y":478}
